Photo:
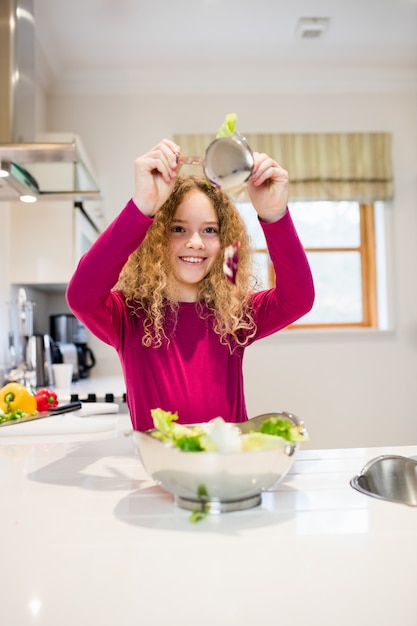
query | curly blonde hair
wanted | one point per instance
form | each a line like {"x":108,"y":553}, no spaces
{"x":147,"y":281}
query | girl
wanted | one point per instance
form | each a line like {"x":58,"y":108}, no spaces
{"x":153,"y":287}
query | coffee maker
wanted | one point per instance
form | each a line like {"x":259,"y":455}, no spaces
{"x":70,"y":336}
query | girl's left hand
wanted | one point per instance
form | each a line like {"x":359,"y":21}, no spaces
{"x":268,"y":188}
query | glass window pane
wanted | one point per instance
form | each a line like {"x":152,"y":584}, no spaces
{"x":260,"y":268}
{"x":337,"y":275}
{"x":327,"y":224}
{"x":338,"y":284}
{"x":250,"y":217}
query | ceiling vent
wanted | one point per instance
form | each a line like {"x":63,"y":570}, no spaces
{"x":312,"y":27}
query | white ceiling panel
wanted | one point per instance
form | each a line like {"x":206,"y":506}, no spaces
{"x":206,"y":45}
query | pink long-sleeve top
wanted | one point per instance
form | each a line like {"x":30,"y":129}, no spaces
{"x":195,"y":374}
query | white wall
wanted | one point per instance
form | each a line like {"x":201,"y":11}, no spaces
{"x":351,"y":389}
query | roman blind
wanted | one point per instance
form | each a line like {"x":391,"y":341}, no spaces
{"x":322,"y":166}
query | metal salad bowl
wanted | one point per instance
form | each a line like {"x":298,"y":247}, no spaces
{"x":217,"y":481}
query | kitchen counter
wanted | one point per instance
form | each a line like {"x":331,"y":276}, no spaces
{"x":89,"y":539}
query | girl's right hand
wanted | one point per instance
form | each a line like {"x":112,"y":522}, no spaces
{"x":155,"y":176}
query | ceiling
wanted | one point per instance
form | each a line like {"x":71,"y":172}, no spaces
{"x":194,"y":46}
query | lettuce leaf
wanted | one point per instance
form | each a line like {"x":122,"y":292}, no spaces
{"x":283,"y":428}
{"x":220,"y":436}
{"x":190,"y":439}
{"x":261,"y":441}
{"x":228,"y":127}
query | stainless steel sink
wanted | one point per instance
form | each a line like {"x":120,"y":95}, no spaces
{"x":389,"y":477}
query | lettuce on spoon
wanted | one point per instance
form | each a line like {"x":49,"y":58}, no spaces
{"x":228,"y":127}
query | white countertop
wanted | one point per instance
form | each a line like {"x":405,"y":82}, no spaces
{"x":89,"y":539}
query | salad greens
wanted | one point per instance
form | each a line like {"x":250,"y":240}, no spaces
{"x":282,"y":428}
{"x":190,"y":439}
{"x":228,"y":127}
{"x":13,"y":415}
{"x":198,"y":514}
{"x":220,"y":436}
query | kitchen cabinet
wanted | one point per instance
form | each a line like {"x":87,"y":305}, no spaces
{"x":47,"y":240}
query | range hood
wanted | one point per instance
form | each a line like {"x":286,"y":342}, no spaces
{"x":28,"y":163}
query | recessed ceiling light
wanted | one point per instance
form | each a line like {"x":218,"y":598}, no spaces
{"x":312,"y":27}
{"x":28,"y":198}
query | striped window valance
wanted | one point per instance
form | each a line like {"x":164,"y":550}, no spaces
{"x":322,"y":166}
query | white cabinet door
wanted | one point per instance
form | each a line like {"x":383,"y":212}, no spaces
{"x":44,"y":245}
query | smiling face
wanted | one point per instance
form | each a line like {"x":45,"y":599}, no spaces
{"x":194,"y":243}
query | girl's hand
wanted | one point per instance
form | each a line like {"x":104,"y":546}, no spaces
{"x":268,"y":188}
{"x":155,"y":175}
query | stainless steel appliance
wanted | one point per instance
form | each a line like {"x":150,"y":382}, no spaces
{"x":86,"y":360}
{"x":20,"y":329}
{"x":71,"y":338}
{"x":66,"y":328}
{"x":67,"y":353}
{"x":30,"y":354}
{"x":39,"y":361}
{"x":19,"y":149}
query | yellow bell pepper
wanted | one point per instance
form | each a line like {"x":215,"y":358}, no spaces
{"x":15,"y":396}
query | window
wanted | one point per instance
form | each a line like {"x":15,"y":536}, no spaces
{"x":339,"y":183}
{"x":339,"y":239}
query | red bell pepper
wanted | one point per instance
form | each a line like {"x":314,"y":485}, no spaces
{"x":46,"y":399}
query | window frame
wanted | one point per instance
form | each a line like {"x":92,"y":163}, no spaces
{"x":367,"y":252}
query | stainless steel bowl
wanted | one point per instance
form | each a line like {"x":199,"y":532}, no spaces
{"x":389,"y":477}
{"x":229,"y":161}
{"x":219,"y":481}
